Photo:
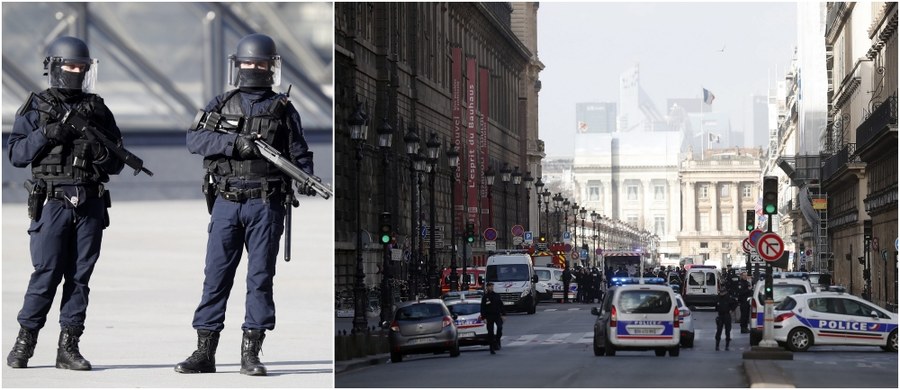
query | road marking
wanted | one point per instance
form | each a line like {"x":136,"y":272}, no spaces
{"x":574,"y":308}
{"x":522,"y":340}
{"x":556,"y":338}
{"x":551,"y":309}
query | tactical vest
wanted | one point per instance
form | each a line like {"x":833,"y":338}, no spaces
{"x":69,"y":162}
{"x":269,"y":124}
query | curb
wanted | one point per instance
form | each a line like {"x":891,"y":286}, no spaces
{"x":765,"y":373}
{"x":348,"y":365}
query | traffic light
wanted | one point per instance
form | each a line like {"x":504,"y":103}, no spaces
{"x":867,"y":229}
{"x":770,"y":195}
{"x":385,"y":228}
{"x":750,"y":221}
{"x":470,"y":233}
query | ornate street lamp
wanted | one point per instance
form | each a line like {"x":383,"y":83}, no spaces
{"x":538,"y":188}
{"x":411,"y":139}
{"x":489,"y":177}
{"x":385,"y":137}
{"x":358,"y":124}
{"x":505,"y":174}
{"x":583,"y":214}
{"x":453,"y":162}
{"x":596,"y":236}
{"x":546,"y":196}
{"x":420,"y":160}
{"x":434,"y":150}
{"x":529,"y":181}
{"x":517,"y":180}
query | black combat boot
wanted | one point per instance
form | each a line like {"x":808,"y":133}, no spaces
{"x":250,"y":347}
{"x":203,"y":360}
{"x":727,"y":344}
{"x":23,"y":349}
{"x":68,"y":356}
{"x":717,"y":345}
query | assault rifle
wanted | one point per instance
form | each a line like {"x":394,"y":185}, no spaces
{"x":215,"y":122}
{"x":89,"y":130}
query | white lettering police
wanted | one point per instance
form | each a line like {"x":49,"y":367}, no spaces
{"x":846,"y":325}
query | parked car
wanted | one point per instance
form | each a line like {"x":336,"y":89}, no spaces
{"x":687,"y":323}
{"x":833,"y":318}
{"x":637,"y":317}
{"x":781,"y":288}
{"x":423,"y":326}
{"x":470,"y":325}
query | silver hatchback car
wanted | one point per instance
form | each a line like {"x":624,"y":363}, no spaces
{"x":422,"y":326}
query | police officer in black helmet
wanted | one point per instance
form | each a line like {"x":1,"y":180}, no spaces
{"x":250,"y":193}
{"x":68,"y":171}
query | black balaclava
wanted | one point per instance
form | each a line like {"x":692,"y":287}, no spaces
{"x":257,"y":78}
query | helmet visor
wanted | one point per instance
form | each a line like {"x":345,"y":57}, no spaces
{"x":254,"y":72}
{"x":72,"y":73}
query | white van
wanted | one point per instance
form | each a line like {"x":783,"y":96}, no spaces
{"x":550,"y":284}
{"x":701,"y":286}
{"x":638,"y":317}
{"x":514,"y":279}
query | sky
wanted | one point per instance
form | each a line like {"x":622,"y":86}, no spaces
{"x":585,"y":47}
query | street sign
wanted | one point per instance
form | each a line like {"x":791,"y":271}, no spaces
{"x":598,"y":251}
{"x":568,"y":247}
{"x":574,"y":255}
{"x":529,"y":237}
{"x":567,"y":237}
{"x":518,"y":231}
{"x":809,"y":252}
{"x":747,"y":245}
{"x":517,"y":240}
{"x":770,"y":247}
{"x":396,"y":254}
{"x":490,"y":246}
{"x":490,"y":234}
{"x":754,"y":236}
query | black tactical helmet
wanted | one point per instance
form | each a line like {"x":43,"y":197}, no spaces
{"x":69,"y":51}
{"x":255,"y":48}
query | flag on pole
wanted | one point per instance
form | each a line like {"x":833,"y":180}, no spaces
{"x":714,"y":137}
{"x":708,"y":96}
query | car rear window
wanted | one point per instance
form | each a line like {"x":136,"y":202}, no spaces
{"x":464,"y":309}
{"x":787,"y":304}
{"x":781,"y":291}
{"x":419,"y":311}
{"x":645,"y":301}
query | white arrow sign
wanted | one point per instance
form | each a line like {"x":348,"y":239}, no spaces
{"x":770,"y":246}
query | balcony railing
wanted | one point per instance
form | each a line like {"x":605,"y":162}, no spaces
{"x":877,"y":123}
{"x":833,"y":164}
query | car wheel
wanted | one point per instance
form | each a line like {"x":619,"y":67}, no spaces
{"x":597,"y":350}
{"x":396,"y":357}
{"x":799,"y":340}
{"x":609,"y":349}
{"x":674,"y":352}
{"x":892,"y":342}
{"x":454,"y":351}
{"x":660,"y":352}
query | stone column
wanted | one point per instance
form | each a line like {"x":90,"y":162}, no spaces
{"x":714,"y":201}
{"x":690,"y":207}
{"x":738,"y":214}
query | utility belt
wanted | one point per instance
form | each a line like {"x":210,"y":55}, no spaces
{"x":72,"y":195}
{"x":242,"y":194}
{"x":240,"y":190}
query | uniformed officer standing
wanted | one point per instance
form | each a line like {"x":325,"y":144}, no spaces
{"x":68,"y":170}
{"x":249,"y":206}
{"x":745,"y":291}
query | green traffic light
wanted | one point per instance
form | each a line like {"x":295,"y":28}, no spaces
{"x":770,"y":209}
{"x":749,"y":228}
{"x":385,"y":238}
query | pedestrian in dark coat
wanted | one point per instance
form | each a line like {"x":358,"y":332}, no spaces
{"x":724,"y":305}
{"x":493,"y":311}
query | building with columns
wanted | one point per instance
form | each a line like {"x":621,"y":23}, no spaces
{"x":715,"y":192}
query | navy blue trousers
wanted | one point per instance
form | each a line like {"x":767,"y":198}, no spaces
{"x":234,"y":225}
{"x":65,"y":244}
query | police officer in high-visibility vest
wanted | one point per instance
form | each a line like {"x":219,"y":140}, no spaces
{"x":68,"y":170}
{"x":249,"y":199}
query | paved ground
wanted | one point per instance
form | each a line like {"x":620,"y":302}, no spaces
{"x":145,"y":288}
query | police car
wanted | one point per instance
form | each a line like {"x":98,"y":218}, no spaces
{"x":470,"y":325}
{"x":637,"y":317}
{"x":781,"y":288}
{"x":833,"y":318}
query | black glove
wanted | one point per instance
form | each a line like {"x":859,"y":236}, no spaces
{"x":245,"y":148}
{"x":305,"y":189}
{"x":60,"y":132}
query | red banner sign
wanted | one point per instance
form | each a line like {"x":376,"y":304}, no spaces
{"x":456,"y":110}
{"x":486,"y":209}
{"x":471,"y":142}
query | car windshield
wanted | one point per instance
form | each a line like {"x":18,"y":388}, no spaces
{"x":645,"y":301}
{"x":465,"y":309}
{"x":507,"y":272}
{"x":781,"y":291}
{"x":543,"y":274}
{"x":419,"y":311}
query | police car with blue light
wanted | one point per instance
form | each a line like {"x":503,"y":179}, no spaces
{"x":833,"y":318}
{"x":638,"y":317}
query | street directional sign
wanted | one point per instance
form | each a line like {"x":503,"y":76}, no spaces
{"x":770,"y":247}
{"x":567,"y":237}
{"x":529,"y":237}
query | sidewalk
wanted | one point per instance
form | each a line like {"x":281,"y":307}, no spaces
{"x":146,"y":286}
